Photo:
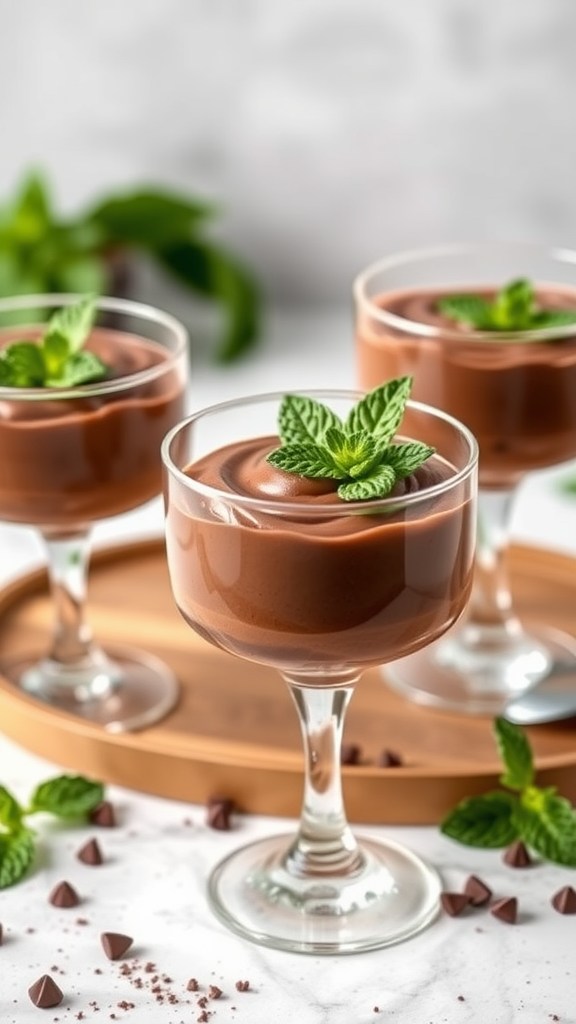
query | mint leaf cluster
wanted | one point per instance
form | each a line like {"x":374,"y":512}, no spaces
{"x":359,"y":452}
{"x":58,"y":359}
{"x":513,"y":309}
{"x":538,"y":816}
{"x":67,"y":797}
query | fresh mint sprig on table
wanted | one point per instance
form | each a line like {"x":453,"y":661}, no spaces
{"x":538,"y":816}
{"x":359,"y":452}
{"x":57,"y":360}
{"x":514,"y":308}
{"x":67,"y":797}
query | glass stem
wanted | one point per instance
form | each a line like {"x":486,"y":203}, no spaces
{"x":324,"y":845}
{"x":491,"y":607}
{"x":68,"y":560}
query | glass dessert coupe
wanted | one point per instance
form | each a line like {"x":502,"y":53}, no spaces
{"x":73,"y":455}
{"x":268,"y":566}
{"x":516,"y":390}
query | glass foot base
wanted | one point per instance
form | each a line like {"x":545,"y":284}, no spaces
{"x":129,"y":690}
{"x":446,"y":676}
{"x":395,"y":895}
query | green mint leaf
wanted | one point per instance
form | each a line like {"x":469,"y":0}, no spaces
{"x":16,"y":856}
{"x":516,"y":755}
{"x":486,"y":821}
{"x":80,"y":368}
{"x":305,"y":420}
{"x":73,"y":323}
{"x":305,"y":460}
{"x":67,"y":796}
{"x":354,"y":454}
{"x":380,"y":412}
{"x":547,"y":823}
{"x":407,"y":457}
{"x":55,"y":350}
{"x":10,"y":810}
{"x":514,"y":307}
{"x":377,"y":485}
{"x":554,"y":318}
{"x":22,"y":365}
{"x":472,"y":310}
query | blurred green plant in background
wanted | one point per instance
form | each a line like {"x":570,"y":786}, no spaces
{"x":94,"y":251}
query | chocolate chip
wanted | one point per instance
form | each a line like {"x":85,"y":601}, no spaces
{"x":218,"y":813}
{"x":454,"y":902}
{"x":91,"y":853}
{"x":103,"y":815}
{"x":64,"y":895}
{"x":214,"y":992}
{"x":505,"y":909}
{"x":350,"y":753}
{"x":45,"y":993}
{"x":192,"y":985}
{"x":564,"y":901}
{"x":389,"y":759}
{"x":517,"y":856}
{"x":115,"y":944}
{"x":477,"y":890}
{"x":242,"y":986}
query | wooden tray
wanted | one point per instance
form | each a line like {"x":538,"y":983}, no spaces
{"x":235,"y":732}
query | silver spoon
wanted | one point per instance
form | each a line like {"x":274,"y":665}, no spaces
{"x":551,"y":701}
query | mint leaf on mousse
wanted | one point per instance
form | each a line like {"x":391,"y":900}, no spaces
{"x":57,"y":359}
{"x":514,"y":308}
{"x":538,"y":816}
{"x":360,"y":452}
{"x":66,"y":797}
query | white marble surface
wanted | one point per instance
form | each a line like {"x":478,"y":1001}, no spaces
{"x":151,"y":886}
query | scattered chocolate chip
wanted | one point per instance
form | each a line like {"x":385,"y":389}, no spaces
{"x":45,"y":993}
{"x":564,"y":901}
{"x":453,"y":903}
{"x":350,"y":753}
{"x":214,"y":992}
{"x":242,"y":986}
{"x":389,"y":759}
{"x":192,"y":985}
{"x":505,"y":909}
{"x":91,"y":853}
{"x":517,"y":856}
{"x":64,"y":895}
{"x":103,"y":815}
{"x":115,"y":944}
{"x":477,"y":890}
{"x":203,"y":1017}
{"x":218,"y":813}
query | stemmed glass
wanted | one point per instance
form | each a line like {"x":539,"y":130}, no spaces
{"x":70,"y":456}
{"x":516,"y":390}
{"x":319,"y":589}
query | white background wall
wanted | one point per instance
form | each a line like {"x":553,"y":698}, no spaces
{"x":332,"y":131}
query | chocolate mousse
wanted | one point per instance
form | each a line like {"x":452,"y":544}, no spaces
{"x":517,"y":396}
{"x":299,"y":577}
{"x":94,"y":453}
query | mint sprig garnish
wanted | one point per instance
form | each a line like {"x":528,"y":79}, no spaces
{"x":66,"y":797}
{"x":523,"y":811}
{"x":57,"y":359}
{"x":514,"y":308}
{"x":359,"y":452}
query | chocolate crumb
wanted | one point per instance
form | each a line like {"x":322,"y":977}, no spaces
{"x":214,"y":992}
{"x":45,"y":993}
{"x":242,"y":986}
{"x":103,"y":815}
{"x":453,"y":903}
{"x":505,"y":909}
{"x":91,"y":853}
{"x":461,"y":999}
{"x":218,"y":813}
{"x":192,"y":985}
{"x":115,"y":944}
{"x":350,"y":753}
{"x":564,"y":901}
{"x":517,"y":856}
{"x":477,"y":890}
{"x":64,"y":895}
{"x":203,"y":1002}
{"x":390,"y":759}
